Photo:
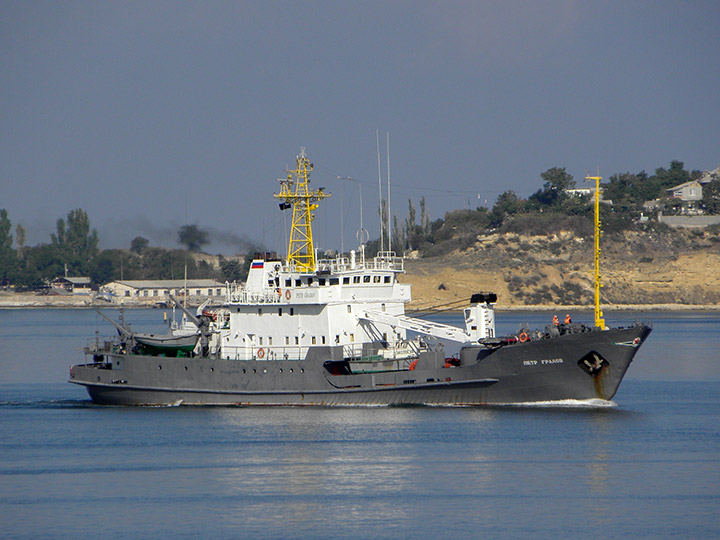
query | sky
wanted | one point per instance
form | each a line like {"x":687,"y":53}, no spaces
{"x":151,"y":115}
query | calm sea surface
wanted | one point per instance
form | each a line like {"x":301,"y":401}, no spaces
{"x":646,"y":467}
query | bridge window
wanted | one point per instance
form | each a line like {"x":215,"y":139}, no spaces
{"x":321,"y":282}
{"x":298,"y":282}
{"x":356,"y":279}
{"x":376,"y":279}
{"x":387,"y":279}
{"x":288,"y":282}
{"x":346,"y":281}
{"x":366,"y":279}
{"x":334,"y":281}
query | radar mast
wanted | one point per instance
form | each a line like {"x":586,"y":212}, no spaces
{"x":295,"y":193}
{"x":599,"y":321}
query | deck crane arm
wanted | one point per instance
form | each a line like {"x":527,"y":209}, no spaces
{"x":438,"y":330}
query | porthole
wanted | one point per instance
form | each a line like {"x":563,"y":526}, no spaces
{"x":280,"y":370}
{"x":185,"y":368}
{"x":254,"y":370}
{"x":212,"y":370}
{"x":243,"y":370}
{"x":302,"y":370}
{"x":159,"y":366}
{"x":264,"y":370}
{"x":291,"y":370}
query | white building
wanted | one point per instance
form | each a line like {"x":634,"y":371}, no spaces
{"x":154,"y":291}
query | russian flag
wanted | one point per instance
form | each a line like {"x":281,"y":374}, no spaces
{"x":257,"y":264}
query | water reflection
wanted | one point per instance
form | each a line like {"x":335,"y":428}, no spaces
{"x":370,"y":466}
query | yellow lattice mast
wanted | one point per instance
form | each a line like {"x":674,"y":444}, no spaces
{"x":295,"y":193}
{"x":599,"y":321}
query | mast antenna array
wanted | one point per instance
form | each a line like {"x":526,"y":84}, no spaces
{"x":296,"y":194}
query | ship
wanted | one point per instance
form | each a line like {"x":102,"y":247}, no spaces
{"x":335,"y":332}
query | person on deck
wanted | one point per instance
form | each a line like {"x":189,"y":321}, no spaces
{"x":568,"y":320}
{"x":556,"y":321}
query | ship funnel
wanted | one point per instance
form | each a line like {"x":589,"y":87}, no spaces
{"x":480,"y":316}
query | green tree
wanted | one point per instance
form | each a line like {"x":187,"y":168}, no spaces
{"x":106,"y":266}
{"x":424,"y":217}
{"x":629,"y":191}
{"x":232,"y":270}
{"x":139,"y":244}
{"x":20,"y":240}
{"x":508,"y":202}
{"x":41,"y":264}
{"x":711,"y":197}
{"x":398,"y":236}
{"x":192,"y":237}
{"x":75,"y":241}
{"x":557,"y":180}
{"x":8,"y":261}
{"x":667,"y":178}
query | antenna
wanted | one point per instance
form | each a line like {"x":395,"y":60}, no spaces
{"x":389,"y":229}
{"x":362,"y":235}
{"x":382,"y":240}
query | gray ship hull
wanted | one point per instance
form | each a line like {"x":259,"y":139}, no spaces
{"x":579,"y":366}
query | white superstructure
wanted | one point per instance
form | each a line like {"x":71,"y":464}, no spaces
{"x":280,"y":312}
{"x":352,"y":302}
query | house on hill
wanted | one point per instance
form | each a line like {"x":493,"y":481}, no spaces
{"x":689,"y":191}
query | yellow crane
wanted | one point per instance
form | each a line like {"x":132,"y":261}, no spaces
{"x":295,"y":193}
{"x":599,"y":321}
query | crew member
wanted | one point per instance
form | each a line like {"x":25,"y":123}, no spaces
{"x":556,"y":321}
{"x":568,"y":320}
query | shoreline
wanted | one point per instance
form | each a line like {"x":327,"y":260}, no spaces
{"x":32,"y":301}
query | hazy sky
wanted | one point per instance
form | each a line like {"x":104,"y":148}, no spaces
{"x":149,"y":115}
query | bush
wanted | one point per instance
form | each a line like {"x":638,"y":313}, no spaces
{"x":541,"y":224}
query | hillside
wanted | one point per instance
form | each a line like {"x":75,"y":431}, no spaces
{"x":678,"y":268}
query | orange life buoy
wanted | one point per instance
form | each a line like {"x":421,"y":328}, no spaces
{"x":288,"y":294}
{"x":523,"y":337}
{"x":261,"y":353}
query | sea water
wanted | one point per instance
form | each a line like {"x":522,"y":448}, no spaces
{"x":646,"y":465}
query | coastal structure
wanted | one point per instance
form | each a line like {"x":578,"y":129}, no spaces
{"x":159,"y":291}
{"x":71,"y":285}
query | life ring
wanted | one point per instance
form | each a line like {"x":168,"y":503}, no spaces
{"x":261,"y":353}
{"x":288,"y":294}
{"x":523,"y":337}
